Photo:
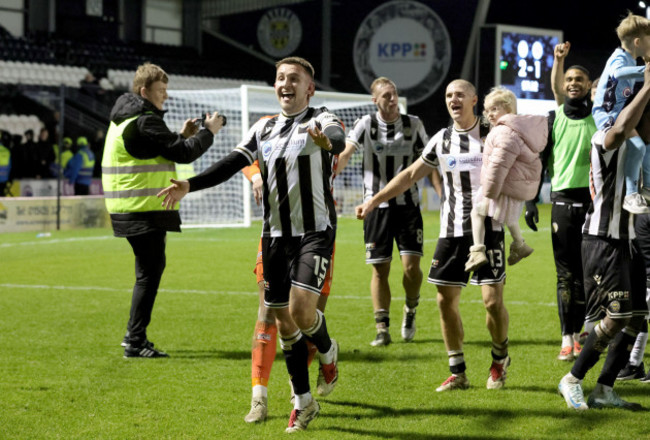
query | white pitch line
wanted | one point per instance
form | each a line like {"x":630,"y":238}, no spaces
{"x":218,"y":292}
{"x":55,"y":241}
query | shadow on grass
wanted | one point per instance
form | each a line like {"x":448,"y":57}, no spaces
{"x":412,"y":435}
{"x":213,"y":354}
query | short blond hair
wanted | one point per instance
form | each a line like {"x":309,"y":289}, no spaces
{"x":500,"y":96}
{"x":631,"y":27}
{"x":381,"y":81}
{"x":146,"y":75}
{"x":306,"y":65}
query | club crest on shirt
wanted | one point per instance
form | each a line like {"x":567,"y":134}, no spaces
{"x":267,"y":147}
{"x":378,"y":148}
{"x":627,"y":92}
{"x":451,"y":162}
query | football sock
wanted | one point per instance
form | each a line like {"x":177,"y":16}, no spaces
{"x":500,"y":350}
{"x":634,"y":156}
{"x":317,"y":333}
{"x":263,"y":354}
{"x":302,"y":400}
{"x":617,"y":356}
{"x":382,"y":319}
{"x":412,"y":303}
{"x":596,"y":343}
{"x":294,"y":348}
{"x":645,"y":167}
{"x":260,"y":391}
{"x":567,"y":340}
{"x":456,"y":362}
{"x":636,"y":356}
{"x":589,"y":326}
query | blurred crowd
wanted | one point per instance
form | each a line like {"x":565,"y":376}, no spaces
{"x":32,"y":156}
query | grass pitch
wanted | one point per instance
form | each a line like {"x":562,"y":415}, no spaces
{"x":65,"y":300}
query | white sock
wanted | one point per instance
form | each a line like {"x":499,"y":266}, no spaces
{"x":572,"y":379}
{"x":260,"y":391}
{"x":636,"y":356}
{"x":589,"y":326}
{"x":567,"y":340}
{"x":302,"y":400}
{"x":327,"y":358}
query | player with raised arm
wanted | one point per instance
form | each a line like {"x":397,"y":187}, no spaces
{"x":295,"y":152}
{"x":457,"y":150}
{"x":390,"y":142}
{"x":566,"y":157}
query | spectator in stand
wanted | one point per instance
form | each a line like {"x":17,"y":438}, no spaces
{"x":5,"y":160}
{"x":18,"y":157}
{"x":29,"y":156}
{"x":44,"y":154}
{"x":98,"y":148}
{"x":65,"y":153}
{"x":90,"y":86}
{"x":80,"y":168}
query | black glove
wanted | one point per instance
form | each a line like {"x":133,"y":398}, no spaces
{"x":532,"y":215}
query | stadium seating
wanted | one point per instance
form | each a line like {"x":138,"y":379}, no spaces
{"x":19,"y":124}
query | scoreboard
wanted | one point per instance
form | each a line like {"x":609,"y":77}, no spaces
{"x":520,"y":59}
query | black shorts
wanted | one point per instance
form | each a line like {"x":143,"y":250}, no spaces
{"x":614,"y":279}
{"x":296,"y":261}
{"x":450,"y":256}
{"x":383,"y":225}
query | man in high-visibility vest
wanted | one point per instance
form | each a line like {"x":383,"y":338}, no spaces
{"x":138,"y":161}
{"x":65,"y":153}
{"x":79,"y":170}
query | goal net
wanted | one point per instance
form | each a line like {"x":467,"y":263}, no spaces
{"x":231,"y":203}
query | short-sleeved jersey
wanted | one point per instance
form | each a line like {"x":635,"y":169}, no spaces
{"x":296,"y":172}
{"x":615,"y":87}
{"x":606,"y":216}
{"x":388,"y":148}
{"x":459,"y":154}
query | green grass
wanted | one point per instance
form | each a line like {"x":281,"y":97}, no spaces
{"x":64,"y":302}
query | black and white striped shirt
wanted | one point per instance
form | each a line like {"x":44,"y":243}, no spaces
{"x":296,"y":172}
{"x":388,"y":148}
{"x":606,"y":216}
{"x":459,"y":156}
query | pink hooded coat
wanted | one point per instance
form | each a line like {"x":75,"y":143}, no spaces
{"x":511,"y":163}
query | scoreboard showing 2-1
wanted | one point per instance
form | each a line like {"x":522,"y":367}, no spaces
{"x":522,"y":62}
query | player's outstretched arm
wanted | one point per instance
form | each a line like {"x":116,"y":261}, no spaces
{"x":344,"y":157}
{"x":395,"y":187}
{"x":174,"y":193}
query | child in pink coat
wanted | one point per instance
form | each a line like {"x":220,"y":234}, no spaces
{"x":510,"y":173}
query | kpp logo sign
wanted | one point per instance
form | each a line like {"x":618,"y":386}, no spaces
{"x":407,"y":42}
{"x":401,"y":49}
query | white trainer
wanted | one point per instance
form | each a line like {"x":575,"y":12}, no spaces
{"x":573,"y":395}
{"x":408,"y":324}
{"x":300,"y":418}
{"x":454,"y":382}
{"x":498,"y":374}
{"x":635,"y":204}
{"x":328,"y":374}
{"x":259,"y":410}
{"x":476,"y":258}
{"x":601,"y":398}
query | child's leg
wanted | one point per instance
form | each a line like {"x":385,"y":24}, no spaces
{"x":515,"y":232}
{"x":635,"y":156}
{"x":645,"y":169}
{"x":478,"y":227}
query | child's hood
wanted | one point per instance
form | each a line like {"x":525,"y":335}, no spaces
{"x":533,"y":129}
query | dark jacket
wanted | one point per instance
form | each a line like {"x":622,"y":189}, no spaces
{"x":145,"y":138}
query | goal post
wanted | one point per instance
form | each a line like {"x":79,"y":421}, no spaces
{"x":231,"y":204}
